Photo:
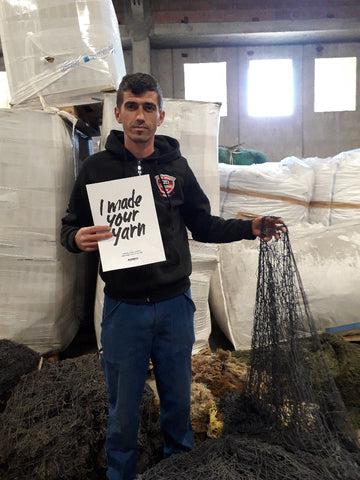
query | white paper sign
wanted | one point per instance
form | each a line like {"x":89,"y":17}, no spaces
{"x":127,"y":206}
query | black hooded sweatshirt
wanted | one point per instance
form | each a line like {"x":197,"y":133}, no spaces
{"x":179,"y":204}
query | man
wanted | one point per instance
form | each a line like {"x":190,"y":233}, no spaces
{"x":148,"y":311}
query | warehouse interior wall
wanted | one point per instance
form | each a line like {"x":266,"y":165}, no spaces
{"x":160,"y":36}
{"x":304,"y":133}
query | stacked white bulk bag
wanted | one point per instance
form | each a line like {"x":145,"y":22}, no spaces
{"x":37,"y":275}
{"x":328,"y":260}
{"x":327,"y":250}
{"x":195,"y":125}
{"x":204,"y":261}
{"x":281,"y":188}
{"x":336,"y":195}
{"x":66,"y":51}
{"x":233,"y":289}
{"x":275,"y":188}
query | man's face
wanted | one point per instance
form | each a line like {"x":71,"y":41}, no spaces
{"x":140,"y":116}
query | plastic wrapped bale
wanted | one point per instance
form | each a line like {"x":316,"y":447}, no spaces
{"x":204,"y":259}
{"x":336,"y":197}
{"x":275,"y":188}
{"x":324,"y":254}
{"x":195,"y":125}
{"x":37,"y":275}
{"x":66,"y":51}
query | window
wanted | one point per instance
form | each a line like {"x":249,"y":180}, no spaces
{"x":335,"y":84}
{"x":270,"y":88}
{"x":4,"y":91}
{"x":206,"y":82}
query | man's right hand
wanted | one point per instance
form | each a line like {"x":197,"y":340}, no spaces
{"x":87,"y":238}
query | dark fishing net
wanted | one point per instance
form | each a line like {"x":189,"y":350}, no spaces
{"x":290,"y":421}
{"x":15,"y":360}
{"x":54,"y":424}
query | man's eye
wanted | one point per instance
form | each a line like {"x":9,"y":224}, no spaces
{"x":149,"y":108}
{"x":131,"y":106}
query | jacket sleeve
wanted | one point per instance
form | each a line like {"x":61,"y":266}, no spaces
{"x":78,"y":215}
{"x":204,"y":226}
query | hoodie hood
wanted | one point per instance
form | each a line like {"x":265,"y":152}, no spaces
{"x":166,"y":148}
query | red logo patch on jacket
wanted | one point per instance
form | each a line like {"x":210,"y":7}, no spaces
{"x":166,"y":182}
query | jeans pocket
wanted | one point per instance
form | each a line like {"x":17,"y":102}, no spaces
{"x":187,"y":295}
{"x":110,"y":305}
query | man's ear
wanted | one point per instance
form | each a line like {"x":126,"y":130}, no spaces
{"x":161,"y":118}
{"x":117,"y":114}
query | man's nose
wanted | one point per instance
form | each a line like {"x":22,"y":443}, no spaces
{"x":140,"y":113}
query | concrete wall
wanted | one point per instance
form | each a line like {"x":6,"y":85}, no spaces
{"x":236,"y":31}
{"x":304,"y":134}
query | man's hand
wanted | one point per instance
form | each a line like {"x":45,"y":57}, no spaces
{"x":87,"y":238}
{"x":273,"y":227}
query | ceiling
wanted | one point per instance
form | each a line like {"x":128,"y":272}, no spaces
{"x":182,"y":35}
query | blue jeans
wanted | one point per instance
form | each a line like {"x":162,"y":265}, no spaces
{"x":130,"y":336}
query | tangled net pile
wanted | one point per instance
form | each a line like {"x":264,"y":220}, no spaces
{"x":54,"y":423}
{"x":289,"y":422}
{"x":15,"y":361}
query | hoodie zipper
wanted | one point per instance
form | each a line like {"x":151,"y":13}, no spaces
{"x":139,"y":169}
{"x":139,"y":166}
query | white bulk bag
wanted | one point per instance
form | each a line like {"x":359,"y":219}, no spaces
{"x":275,"y":188}
{"x":37,"y":275}
{"x":328,"y":260}
{"x":66,"y":51}
{"x":336,"y":195}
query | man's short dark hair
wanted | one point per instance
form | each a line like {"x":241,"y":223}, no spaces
{"x":139,"y":83}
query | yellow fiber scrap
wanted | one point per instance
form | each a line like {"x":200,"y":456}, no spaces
{"x":201,"y":401}
{"x":216,"y":424}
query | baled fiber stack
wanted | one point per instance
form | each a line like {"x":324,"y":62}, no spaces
{"x":335,"y":199}
{"x":37,"y":275}
{"x":64,"y":51}
{"x":278,"y":188}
